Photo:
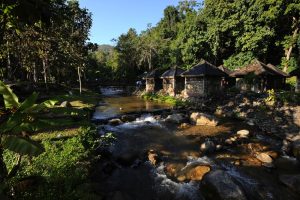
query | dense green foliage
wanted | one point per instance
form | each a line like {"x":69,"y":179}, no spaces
{"x":58,"y":171}
{"x":229,"y":32}
{"x":43,"y":40}
{"x":46,"y":150}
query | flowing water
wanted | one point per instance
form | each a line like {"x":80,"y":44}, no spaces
{"x":134,"y":177}
{"x":116,"y":103}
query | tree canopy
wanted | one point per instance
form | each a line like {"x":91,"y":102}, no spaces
{"x":229,"y":32}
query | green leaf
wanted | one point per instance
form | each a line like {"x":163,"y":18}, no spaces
{"x":29,"y":102}
{"x":49,"y":103}
{"x":39,"y":107}
{"x":10,"y":99}
{"x":23,"y":146}
{"x":13,"y":122}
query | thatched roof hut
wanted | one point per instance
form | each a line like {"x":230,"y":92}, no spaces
{"x":258,"y":77}
{"x":203,"y":79}
{"x":204,"y":68}
{"x":259,"y":69}
{"x":173,"y":82}
{"x":153,"y":81}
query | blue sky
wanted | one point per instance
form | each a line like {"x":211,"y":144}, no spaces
{"x":111,"y":18}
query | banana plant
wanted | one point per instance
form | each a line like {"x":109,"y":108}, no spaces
{"x":18,"y":120}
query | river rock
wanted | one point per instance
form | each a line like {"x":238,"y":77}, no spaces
{"x":128,"y":118}
{"x":184,"y":125}
{"x":175,"y":118}
{"x":172,"y":169}
{"x":292,"y":181}
{"x":219,"y":185}
{"x":250,"y":122}
{"x":243,"y":133}
{"x":65,"y":104}
{"x":195,"y":173}
{"x":208,"y":146}
{"x":264,"y":158}
{"x":115,"y":122}
{"x":203,"y":119}
{"x":152,"y":157}
{"x":296,"y":149}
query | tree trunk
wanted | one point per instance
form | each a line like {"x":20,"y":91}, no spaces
{"x":150,"y":60}
{"x":45,"y":72}
{"x":289,"y":50}
{"x":9,"y":71}
{"x":34,"y":73}
{"x":79,"y":78}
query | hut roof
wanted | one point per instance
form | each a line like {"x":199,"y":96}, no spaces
{"x":295,"y":72}
{"x":153,"y":74}
{"x":258,"y":68}
{"x":172,"y":73}
{"x":204,"y":68}
{"x":225,"y":69}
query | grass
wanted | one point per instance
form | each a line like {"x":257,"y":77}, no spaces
{"x":68,"y":138}
{"x":164,"y":98}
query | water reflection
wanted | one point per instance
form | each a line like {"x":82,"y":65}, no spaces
{"x":116,"y":105}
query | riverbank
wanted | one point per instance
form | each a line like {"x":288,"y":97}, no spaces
{"x":246,"y":142}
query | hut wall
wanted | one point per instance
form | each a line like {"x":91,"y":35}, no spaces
{"x":261,"y":84}
{"x":150,"y":85}
{"x":168,"y":86}
{"x":202,"y":86}
{"x":213,"y":85}
{"x":179,"y":85}
{"x":173,"y":86}
{"x":243,"y":85}
{"x":194,"y":86}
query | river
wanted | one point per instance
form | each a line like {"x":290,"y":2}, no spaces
{"x":130,"y":172}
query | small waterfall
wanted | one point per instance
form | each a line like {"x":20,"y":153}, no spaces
{"x":180,"y":191}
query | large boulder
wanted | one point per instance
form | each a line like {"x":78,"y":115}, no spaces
{"x":194,"y":173}
{"x":264,"y":158}
{"x":153,"y":157}
{"x":243,"y":133}
{"x":198,"y":118}
{"x":292,"y":181}
{"x":219,"y":185}
{"x":115,"y":122}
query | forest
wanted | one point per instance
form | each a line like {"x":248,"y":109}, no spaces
{"x":44,"y":41}
{"x":51,"y":43}
{"x":229,"y":33}
{"x":75,"y":125}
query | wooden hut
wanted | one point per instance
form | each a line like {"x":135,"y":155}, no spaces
{"x":296,"y":73}
{"x":227,"y":81}
{"x":153,"y":81}
{"x":202,"y":80}
{"x":173,"y":82}
{"x":259,"y":77}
